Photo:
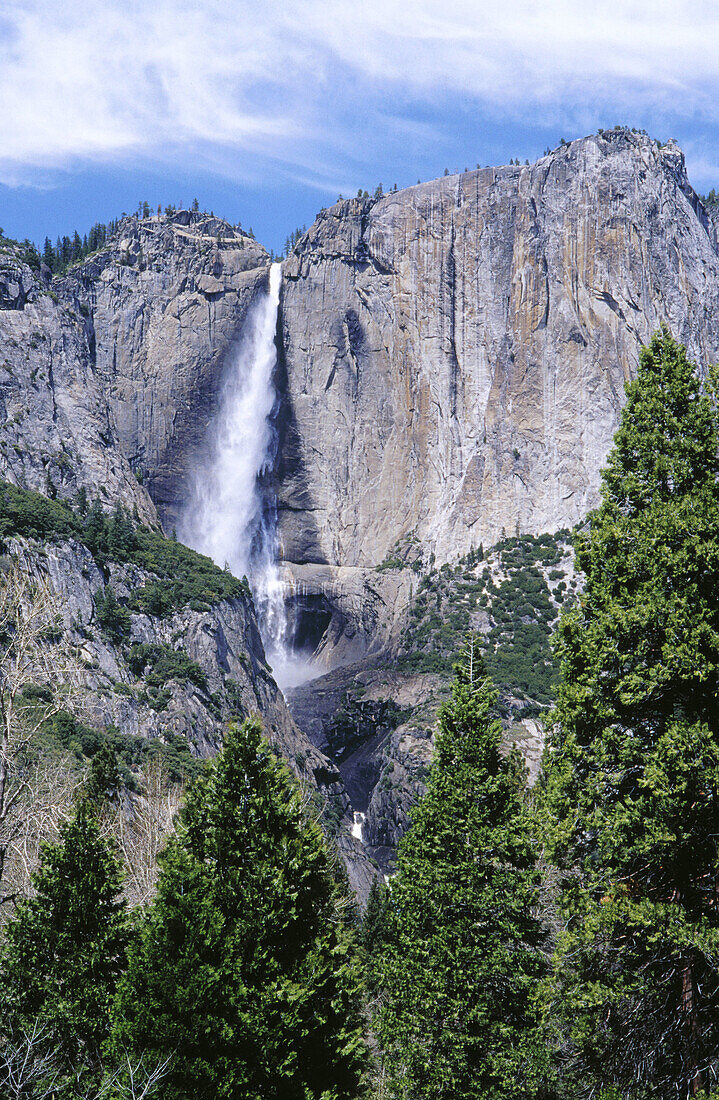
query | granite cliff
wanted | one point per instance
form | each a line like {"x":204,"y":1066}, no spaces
{"x":108,"y":374}
{"x":451,"y":362}
{"x":455,"y":352}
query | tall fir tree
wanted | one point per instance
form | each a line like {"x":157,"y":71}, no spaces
{"x":63,"y":953}
{"x":631,"y":785}
{"x":245,"y":974}
{"x":462,"y":945}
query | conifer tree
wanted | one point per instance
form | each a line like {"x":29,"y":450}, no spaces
{"x":375,"y":915}
{"x":102,"y":781}
{"x":632,"y":776}
{"x":48,"y":254}
{"x":462,"y":944}
{"x":372,"y":932}
{"x":64,"y":951}
{"x":245,"y":973}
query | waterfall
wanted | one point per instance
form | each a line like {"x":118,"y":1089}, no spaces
{"x":226,"y":517}
{"x":357,"y":830}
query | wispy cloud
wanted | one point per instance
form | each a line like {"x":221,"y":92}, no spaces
{"x":102,"y":81}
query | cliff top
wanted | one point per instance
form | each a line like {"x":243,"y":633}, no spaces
{"x":607,"y":142}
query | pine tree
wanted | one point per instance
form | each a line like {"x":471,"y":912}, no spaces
{"x":95,"y":531}
{"x":372,"y":933}
{"x":65,"y":949}
{"x":462,"y":946}
{"x":48,"y":254}
{"x":112,"y":616}
{"x":632,"y":775}
{"x":103,"y":781}
{"x":375,"y":915}
{"x":120,"y":534}
{"x":245,"y":973}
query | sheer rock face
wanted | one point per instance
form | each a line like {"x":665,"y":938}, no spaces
{"x":455,"y":353}
{"x":110,"y":374}
{"x":56,"y":433}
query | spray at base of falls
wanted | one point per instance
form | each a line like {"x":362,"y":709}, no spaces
{"x":226,"y":517}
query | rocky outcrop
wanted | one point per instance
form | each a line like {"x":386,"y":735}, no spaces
{"x":166,"y":301}
{"x":223,"y":640}
{"x":231,"y":678}
{"x":455,"y":353}
{"x":55,"y":430}
{"x":109,"y":375}
{"x":359,"y":611}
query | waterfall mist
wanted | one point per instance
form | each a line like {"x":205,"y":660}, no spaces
{"x":226,"y":517}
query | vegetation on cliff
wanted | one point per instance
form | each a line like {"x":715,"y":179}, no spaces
{"x":188,"y":578}
{"x":511,"y":596}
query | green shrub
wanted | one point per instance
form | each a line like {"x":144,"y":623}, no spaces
{"x":158,"y":664}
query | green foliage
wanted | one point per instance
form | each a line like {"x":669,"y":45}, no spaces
{"x":70,"y":250}
{"x":462,"y":944}
{"x":112,"y":617}
{"x":405,"y":554}
{"x":158,"y":664}
{"x":245,"y":972}
{"x":30,"y":514}
{"x":390,"y":563}
{"x":103,"y":779}
{"x":65,"y":949}
{"x":190,"y":579}
{"x":67,"y":733}
{"x":522,"y":610}
{"x":186,"y":578}
{"x":373,"y":932}
{"x":631,"y":785}
{"x":295,"y":236}
{"x":24,"y":251}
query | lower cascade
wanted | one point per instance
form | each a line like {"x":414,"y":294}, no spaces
{"x":226,"y":517}
{"x":358,"y":825}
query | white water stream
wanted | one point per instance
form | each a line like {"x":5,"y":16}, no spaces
{"x":357,"y":829}
{"x":226,"y":517}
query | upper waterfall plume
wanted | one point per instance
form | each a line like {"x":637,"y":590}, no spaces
{"x":223,"y":518}
{"x":226,"y":516}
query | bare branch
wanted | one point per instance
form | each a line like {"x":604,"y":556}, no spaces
{"x":39,"y":677}
{"x":27,"y":1065}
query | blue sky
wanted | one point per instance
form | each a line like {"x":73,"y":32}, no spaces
{"x":266,"y":111}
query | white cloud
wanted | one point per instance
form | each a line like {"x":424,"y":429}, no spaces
{"x":108,"y":80}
